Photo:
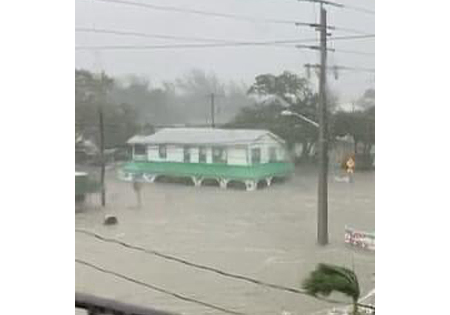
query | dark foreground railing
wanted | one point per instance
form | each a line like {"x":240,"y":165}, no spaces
{"x":97,"y":306}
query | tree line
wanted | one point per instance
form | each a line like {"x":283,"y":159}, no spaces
{"x":133,"y":105}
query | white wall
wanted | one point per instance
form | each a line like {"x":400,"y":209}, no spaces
{"x":264,"y":144}
{"x":194,"y":155}
{"x":208,"y":155}
{"x":138,"y":157}
{"x":237,"y":155}
{"x":175,"y":153}
{"x":153,"y":153}
{"x":281,"y":154}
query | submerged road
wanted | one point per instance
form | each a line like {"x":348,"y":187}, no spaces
{"x":267,"y":235}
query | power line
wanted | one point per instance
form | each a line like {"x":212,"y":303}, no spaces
{"x":207,"y":13}
{"x":337,"y":50}
{"x":175,"y":37}
{"x":371,"y":35}
{"x":336,"y":67}
{"x":340,"y":5}
{"x":226,"y":15}
{"x":200,"y":266}
{"x":347,"y":30}
{"x":363,"y":53}
{"x":186,"y":46}
{"x":355,"y":69}
{"x":153,"y":287}
{"x":181,"y":46}
{"x":147,"y":35}
{"x":278,"y":43}
{"x":222,"y":42}
{"x":188,"y":263}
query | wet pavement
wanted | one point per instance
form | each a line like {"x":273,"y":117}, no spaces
{"x":268,"y":235}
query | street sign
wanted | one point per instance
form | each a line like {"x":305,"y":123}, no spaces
{"x":360,"y":239}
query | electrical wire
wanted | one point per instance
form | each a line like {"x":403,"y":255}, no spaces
{"x":347,"y":30}
{"x":147,"y":35}
{"x":175,"y":37}
{"x":217,"y":42}
{"x":207,"y":13}
{"x":226,"y":15}
{"x":340,"y":5}
{"x":279,"y":43}
{"x":371,"y":70}
{"x":363,"y":53}
{"x":156,"y":288}
{"x":200,"y":266}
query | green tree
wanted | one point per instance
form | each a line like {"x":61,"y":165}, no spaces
{"x":91,"y":92}
{"x":328,"y":278}
{"x":273,"y":94}
{"x":359,"y":124}
{"x":367,"y":100}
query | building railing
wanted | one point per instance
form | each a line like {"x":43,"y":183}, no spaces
{"x":97,"y":306}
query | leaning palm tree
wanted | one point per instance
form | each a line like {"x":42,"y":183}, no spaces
{"x":328,"y":278}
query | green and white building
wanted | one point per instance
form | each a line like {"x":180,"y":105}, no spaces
{"x":224,"y":155}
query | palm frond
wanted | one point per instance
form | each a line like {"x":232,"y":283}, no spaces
{"x":328,"y":278}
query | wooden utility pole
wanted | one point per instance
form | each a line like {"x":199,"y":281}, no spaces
{"x":322,"y":211}
{"x":212,"y":110}
{"x":102,"y":138}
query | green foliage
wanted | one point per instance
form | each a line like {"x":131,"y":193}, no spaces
{"x":91,"y":93}
{"x":287,"y":89}
{"x":131,"y":105}
{"x":329,"y":278}
{"x":359,"y":124}
{"x":289,"y":86}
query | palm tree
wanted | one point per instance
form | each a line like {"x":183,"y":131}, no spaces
{"x":328,"y":278}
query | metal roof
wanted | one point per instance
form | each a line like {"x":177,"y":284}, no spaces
{"x":203,"y":136}
{"x":136,"y":139}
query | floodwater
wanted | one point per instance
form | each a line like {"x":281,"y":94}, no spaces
{"x":269,"y":234}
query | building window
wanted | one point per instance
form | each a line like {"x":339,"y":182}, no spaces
{"x":162,"y":152}
{"x":272,"y":154}
{"x":202,"y":155}
{"x":140,"y":149}
{"x":256,"y":156}
{"x":187,"y":154}
{"x":219,"y":155}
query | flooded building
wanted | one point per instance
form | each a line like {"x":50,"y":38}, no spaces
{"x":223,"y":155}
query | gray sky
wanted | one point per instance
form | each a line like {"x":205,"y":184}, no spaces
{"x":229,"y":63}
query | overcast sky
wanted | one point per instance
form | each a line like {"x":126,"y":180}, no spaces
{"x":229,"y":63}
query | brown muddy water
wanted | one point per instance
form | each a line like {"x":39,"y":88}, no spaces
{"x":268,"y":235}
